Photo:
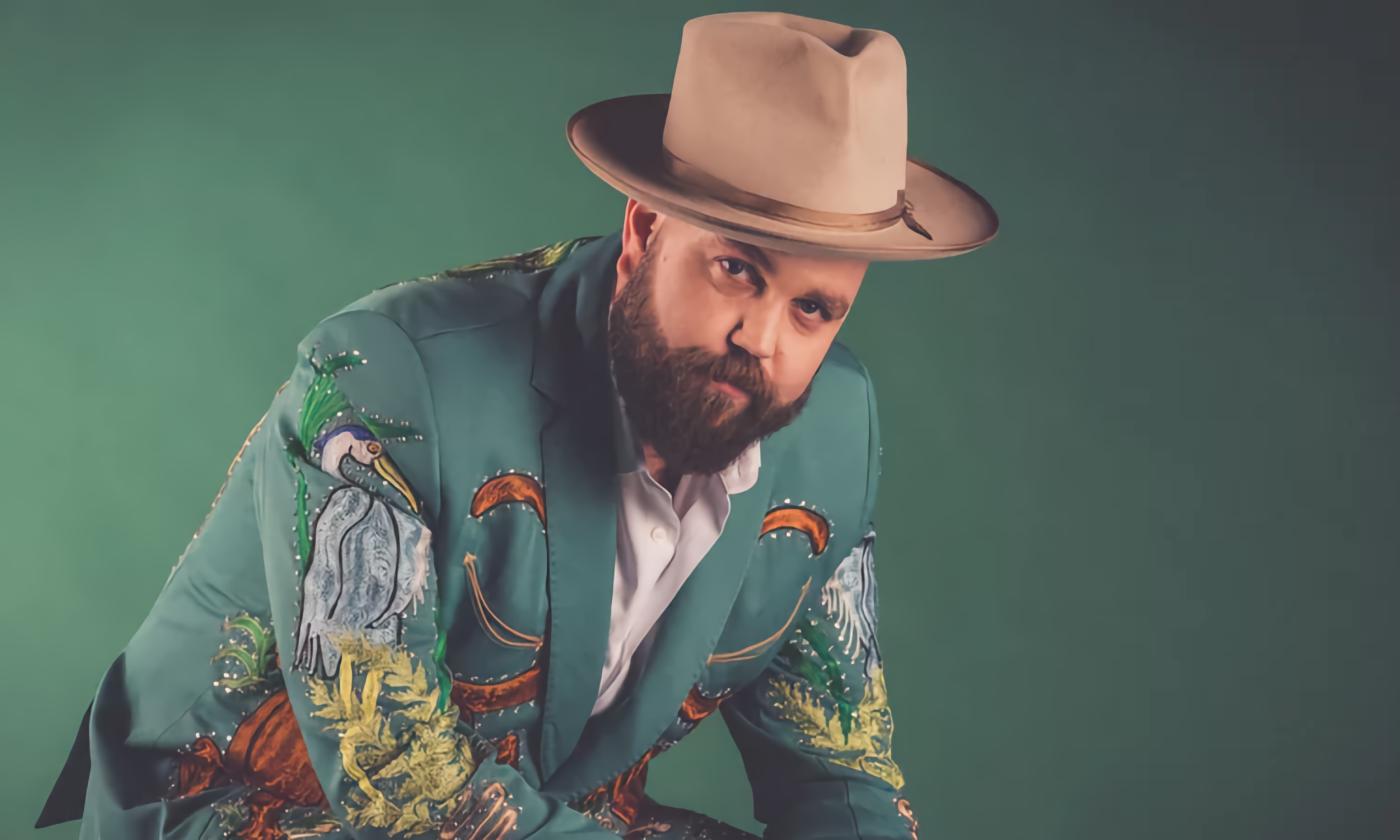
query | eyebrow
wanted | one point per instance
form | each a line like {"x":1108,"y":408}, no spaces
{"x":837,"y":306}
{"x":753,"y":252}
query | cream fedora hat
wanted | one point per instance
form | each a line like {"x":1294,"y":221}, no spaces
{"x":787,"y":132}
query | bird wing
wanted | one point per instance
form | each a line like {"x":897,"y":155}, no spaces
{"x":850,"y":600}
{"x":324,"y":586}
{"x":370,"y":559}
{"x":412,"y":573}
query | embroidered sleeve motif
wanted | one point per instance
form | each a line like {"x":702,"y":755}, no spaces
{"x":397,"y":745}
{"x":851,"y":602}
{"x":365,"y":560}
{"x":249,"y":654}
{"x":535,"y":259}
{"x":264,"y":755}
{"x":865,"y":746}
{"x":248,"y":816}
{"x":353,"y":594}
{"x":820,"y":673}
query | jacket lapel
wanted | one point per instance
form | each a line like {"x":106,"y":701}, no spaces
{"x":686,"y":635}
{"x":580,"y":474}
{"x":570,"y":368}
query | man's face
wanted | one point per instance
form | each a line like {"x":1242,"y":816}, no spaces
{"x":714,"y":342}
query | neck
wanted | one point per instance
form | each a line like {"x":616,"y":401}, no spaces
{"x":656,"y":465}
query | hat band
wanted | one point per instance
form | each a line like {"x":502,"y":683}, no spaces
{"x":688,"y":174}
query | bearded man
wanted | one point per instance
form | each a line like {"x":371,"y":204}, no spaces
{"x":509,"y":531}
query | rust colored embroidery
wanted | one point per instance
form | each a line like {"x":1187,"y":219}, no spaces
{"x":907,"y":812}
{"x":266,"y":753}
{"x":808,"y":521}
{"x":697,"y":706}
{"x":200,"y":767}
{"x":482,"y":815}
{"x":510,"y":487}
{"x":508,"y":750}
{"x":267,"y":747}
{"x":625,"y":795}
{"x":262,"y":817}
{"x":476,"y":698}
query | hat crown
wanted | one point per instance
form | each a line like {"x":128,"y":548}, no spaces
{"x":807,"y":112}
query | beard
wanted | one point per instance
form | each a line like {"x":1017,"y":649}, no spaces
{"x":668,"y":395}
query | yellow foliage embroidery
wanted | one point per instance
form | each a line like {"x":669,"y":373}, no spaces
{"x":869,"y":747}
{"x":401,"y":751}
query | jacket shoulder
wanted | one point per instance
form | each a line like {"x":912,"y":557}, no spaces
{"x":844,"y":372}
{"x":444,"y":302}
{"x":467,"y":297}
{"x":841,"y":404}
{"x":830,"y":453}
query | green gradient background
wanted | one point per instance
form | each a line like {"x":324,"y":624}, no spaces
{"x":1139,"y":552}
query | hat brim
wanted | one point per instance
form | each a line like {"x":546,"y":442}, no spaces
{"x":620,"y":141}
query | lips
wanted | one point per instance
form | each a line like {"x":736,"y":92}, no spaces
{"x":735,"y":393}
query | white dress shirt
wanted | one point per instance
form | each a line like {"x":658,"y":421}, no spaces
{"x":660,"y":540}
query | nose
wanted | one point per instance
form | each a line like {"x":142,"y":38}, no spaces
{"x":757,"y":331}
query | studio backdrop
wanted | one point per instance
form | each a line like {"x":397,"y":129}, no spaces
{"x":1139,"y":551}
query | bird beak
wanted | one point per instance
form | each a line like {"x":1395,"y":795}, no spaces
{"x":391,"y":474}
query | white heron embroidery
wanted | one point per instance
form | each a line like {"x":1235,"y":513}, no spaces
{"x":851,"y":603}
{"x":369,"y":560}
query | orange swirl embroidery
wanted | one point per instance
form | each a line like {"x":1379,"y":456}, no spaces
{"x":479,"y":698}
{"x":809,"y":522}
{"x":510,"y":487}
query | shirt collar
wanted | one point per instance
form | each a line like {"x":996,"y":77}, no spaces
{"x":742,"y":472}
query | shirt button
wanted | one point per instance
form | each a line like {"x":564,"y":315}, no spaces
{"x":658,"y":534}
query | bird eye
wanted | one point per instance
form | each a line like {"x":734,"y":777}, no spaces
{"x":374,"y":448}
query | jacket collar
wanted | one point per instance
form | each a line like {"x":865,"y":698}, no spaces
{"x":576,"y":449}
{"x":571,"y":332}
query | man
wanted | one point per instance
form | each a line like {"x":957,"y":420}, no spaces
{"x":509,"y":531}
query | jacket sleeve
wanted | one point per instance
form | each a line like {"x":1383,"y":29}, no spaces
{"x":815,"y":728}
{"x":347,"y":490}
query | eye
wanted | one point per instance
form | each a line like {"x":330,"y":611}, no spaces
{"x":736,"y":268}
{"x":810,"y":307}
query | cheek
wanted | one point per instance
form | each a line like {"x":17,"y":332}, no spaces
{"x":693,"y":314}
{"x":795,"y":372}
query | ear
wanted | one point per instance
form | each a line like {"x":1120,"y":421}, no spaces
{"x":640,"y":225}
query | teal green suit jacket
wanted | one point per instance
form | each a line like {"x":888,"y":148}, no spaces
{"x":393,"y":621}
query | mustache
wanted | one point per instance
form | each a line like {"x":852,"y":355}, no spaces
{"x":736,"y":368}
